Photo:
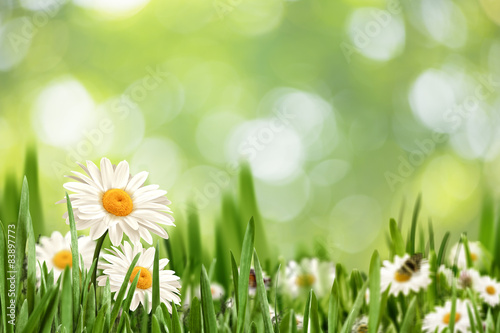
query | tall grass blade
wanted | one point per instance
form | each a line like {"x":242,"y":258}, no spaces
{"x":75,"y":254}
{"x":262,"y":295}
{"x":66,"y":306}
{"x":245,"y":262}
{"x":374,"y":313}
{"x":209,"y":319}
{"x":31,"y":172}
{"x":413,"y":230}
{"x":156,"y":279}
{"x":22,"y":236}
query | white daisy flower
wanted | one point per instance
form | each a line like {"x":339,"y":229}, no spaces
{"x":476,"y":254}
{"x":390,"y":275}
{"x":468,"y":278}
{"x":440,"y":318}
{"x":309,"y":274}
{"x":55,"y":251}
{"x":217,"y":291}
{"x":118,"y":262}
{"x":111,"y":199}
{"x":489,"y":290}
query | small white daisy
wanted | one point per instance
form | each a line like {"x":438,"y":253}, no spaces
{"x":217,"y":291}
{"x":467,"y":278}
{"x":55,"y":251}
{"x":308,"y":274}
{"x":390,"y":275}
{"x":440,"y":318}
{"x":118,"y":262}
{"x":476,"y":254}
{"x":111,"y":199}
{"x":489,"y":290}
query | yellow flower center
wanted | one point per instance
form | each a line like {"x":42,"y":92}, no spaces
{"x":62,"y":259}
{"x":402,"y":277}
{"x":491,"y":290}
{"x":145,"y":279}
{"x":446,"y":318}
{"x":473,"y":256}
{"x":305,"y":280}
{"x":117,"y":202}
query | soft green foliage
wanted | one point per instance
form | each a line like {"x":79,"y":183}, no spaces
{"x":74,"y":303}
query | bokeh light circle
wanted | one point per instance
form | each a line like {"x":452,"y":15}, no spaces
{"x":274,"y":151}
{"x":113,"y":8}
{"x":376,"y":33}
{"x":251,"y":18}
{"x":15,"y":41}
{"x":445,"y":22}
{"x":63,"y":113}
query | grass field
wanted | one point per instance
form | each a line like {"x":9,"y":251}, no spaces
{"x":245,"y":287}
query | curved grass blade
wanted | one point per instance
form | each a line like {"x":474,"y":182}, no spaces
{"x":21,"y":235}
{"x":410,"y":245}
{"x":176,"y":323}
{"x":333,"y":308}
{"x":234,"y":268}
{"x":374,"y":281}
{"x":262,"y":295}
{"x":123,"y":289}
{"x":307,"y":312}
{"x":314,"y":315}
{"x":75,"y":271}
{"x":442,"y":249}
{"x":100,"y":321}
{"x":42,"y":307}
{"x":22,"y":317}
{"x":409,"y":317}
{"x":128,"y":300}
{"x":156,"y":279}
{"x":66,"y":310}
{"x":397,"y":238}
{"x":358,"y":303}
{"x":195,"y":315}
{"x":245,"y":262}
{"x":209,"y":319}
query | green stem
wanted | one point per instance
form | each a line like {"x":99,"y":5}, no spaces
{"x":97,"y":252}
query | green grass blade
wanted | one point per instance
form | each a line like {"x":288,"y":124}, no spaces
{"x":100,"y":321}
{"x":307,"y":312}
{"x":234,"y":269}
{"x":90,"y":309}
{"x":245,"y":263}
{"x":66,"y":310}
{"x":353,"y":314}
{"x":176,"y":323}
{"x":75,"y":271}
{"x":249,"y":208}
{"x":431,"y":236}
{"x":262,"y":294}
{"x":397,"y":238}
{"x":195,"y":316}
{"x":48,"y":319}
{"x":314,"y":315}
{"x":409,"y":317}
{"x":410,"y":246}
{"x":31,"y":172}
{"x":333,"y":308}
{"x":22,"y":317}
{"x":209,"y":319}
{"x":155,"y":325}
{"x":128,"y":300}
{"x":97,"y":253}
{"x":22,"y":236}
{"x":35,"y":318}
{"x":374,"y":314}
{"x":123,"y":289}
{"x":156,"y":279}
{"x":194,"y":239}
{"x":442,"y":249}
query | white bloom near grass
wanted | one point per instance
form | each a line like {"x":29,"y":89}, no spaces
{"x":110,"y":199}
{"x":55,"y":252}
{"x":310,"y":273}
{"x":468,"y":278}
{"x":390,"y":275}
{"x":489,"y":290}
{"x":118,"y":261}
{"x":440,"y":319}
{"x":476,"y":255}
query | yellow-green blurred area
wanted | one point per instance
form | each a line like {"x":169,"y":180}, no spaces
{"x":344,"y":109}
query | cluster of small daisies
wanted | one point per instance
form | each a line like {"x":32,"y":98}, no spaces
{"x":110,"y":201}
{"x":400,"y":280}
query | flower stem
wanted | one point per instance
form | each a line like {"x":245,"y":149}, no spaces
{"x":97,"y":252}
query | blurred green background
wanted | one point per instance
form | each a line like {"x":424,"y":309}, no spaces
{"x":345,"y":110}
